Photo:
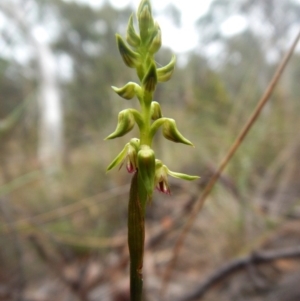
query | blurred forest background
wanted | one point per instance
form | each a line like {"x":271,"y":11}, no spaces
{"x":63,"y":219}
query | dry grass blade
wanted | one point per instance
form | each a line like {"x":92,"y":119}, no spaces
{"x":91,"y":242}
{"x":199,"y":204}
{"x":64,"y":211}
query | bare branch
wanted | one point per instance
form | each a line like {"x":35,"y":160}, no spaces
{"x":236,"y":265}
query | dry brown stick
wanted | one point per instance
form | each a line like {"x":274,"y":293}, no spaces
{"x":199,"y":204}
{"x":238,"y":264}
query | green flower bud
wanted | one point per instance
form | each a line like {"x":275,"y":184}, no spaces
{"x":128,"y":91}
{"x":171,"y":132}
{"x":150,"y":79}
{"x":155,"y":43}
{"x":165,"y":73}
{"x":155,"y":110}
{"x":132,"y":37}
{"x":130,"y":57}
{"x":145,"y":19}
{"x":125,"y":124}
{"x":142,"y":5}
{"x":146,"y":167}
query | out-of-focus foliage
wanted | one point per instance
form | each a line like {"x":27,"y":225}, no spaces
{"x":87,"y":39}
{"x":274,"y":20}
{"x":12,"y":86}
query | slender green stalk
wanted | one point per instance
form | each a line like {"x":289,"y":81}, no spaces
{"x":136,"y":236}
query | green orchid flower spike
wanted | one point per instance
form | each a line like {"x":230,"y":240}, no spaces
{"x":138,"y":52}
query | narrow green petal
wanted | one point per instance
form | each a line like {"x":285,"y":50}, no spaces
{"x":155,"y":42}
{"x":182,"y":176}
{"x":120,"y":158}
{"x":132,"y":37}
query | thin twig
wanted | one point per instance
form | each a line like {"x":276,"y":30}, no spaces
{"x":199,"y":204}
{"x":234,"y":266}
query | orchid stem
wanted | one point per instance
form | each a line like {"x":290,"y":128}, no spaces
{"x":136,"y":236}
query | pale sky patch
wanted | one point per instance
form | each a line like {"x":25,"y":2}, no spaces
{"x":179,"y":39}
{"x":234,"y":25}
{"x":184,"y":38}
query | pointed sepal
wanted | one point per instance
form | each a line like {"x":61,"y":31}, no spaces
{"x":132,"y":37}
{"x":171,"y":132}
{"x":125,"y":124}
{"x":130,"y":57}
{"x":128,"y":91}
{"x":165,"y":73}
{"x":155,"y":42}
{"x":146,"y":167}
{"x":119,"y":159}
